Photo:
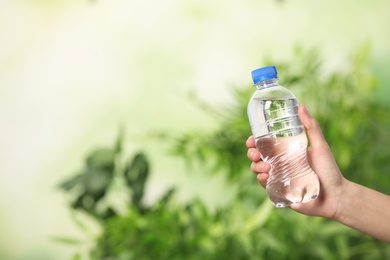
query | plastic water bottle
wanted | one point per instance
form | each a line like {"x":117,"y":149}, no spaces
{"x":281,"y":139}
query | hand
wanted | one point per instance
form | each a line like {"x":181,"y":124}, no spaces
{"x":321,"y":160}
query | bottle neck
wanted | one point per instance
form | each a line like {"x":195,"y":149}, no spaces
{"x":267,"y":83}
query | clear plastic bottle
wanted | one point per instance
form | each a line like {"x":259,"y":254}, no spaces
{"x":281,"y":139}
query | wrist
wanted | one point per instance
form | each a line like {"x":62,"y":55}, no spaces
{"x":343,"y":199}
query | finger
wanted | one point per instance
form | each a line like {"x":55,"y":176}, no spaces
{"x":250,"y":143}
{"x":260,"y":167}
{"x":262,"y":178}
{"x":312,"y":127}
{"x":253,"y":155}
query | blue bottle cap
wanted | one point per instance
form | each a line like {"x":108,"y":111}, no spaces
{"x":264,"y":73}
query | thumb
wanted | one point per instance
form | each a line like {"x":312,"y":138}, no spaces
{"x":312,"y":127}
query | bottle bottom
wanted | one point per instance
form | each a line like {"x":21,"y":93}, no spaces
{"x":297,"y":190}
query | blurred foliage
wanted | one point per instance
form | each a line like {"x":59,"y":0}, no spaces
{"x":248,"y":227}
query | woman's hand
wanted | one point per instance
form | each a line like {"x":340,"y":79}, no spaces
{"x":321,"y":161}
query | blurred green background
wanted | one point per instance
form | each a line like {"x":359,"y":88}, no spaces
{"x":169,"y":81}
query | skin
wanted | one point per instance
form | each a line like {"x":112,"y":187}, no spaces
{"x":349,"y":203}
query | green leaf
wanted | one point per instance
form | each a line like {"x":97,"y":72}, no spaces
{"x":259,"y":217}
{"x":67,"y":240}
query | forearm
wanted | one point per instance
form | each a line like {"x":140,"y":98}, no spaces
{"x":365,"y":210}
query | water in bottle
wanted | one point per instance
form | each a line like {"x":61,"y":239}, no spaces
{"x":281,"y":139}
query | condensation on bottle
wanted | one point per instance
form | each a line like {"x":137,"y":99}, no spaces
{"x":281,"y":140}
